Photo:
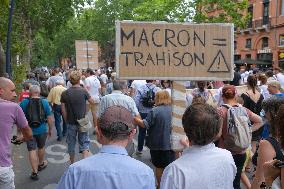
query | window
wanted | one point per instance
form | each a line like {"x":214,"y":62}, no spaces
{"x":248,"y":56}
{"x":264,"y":42}
{"x":235,"y":45}
{"x":281,"y":40}
{"x":248,"y":43}
{"x":237,"y":57}
{"x":265,"y":12}
{"x":250,"y":12}
{"x":267,"y":57}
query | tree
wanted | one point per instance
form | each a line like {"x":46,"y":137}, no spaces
{"x":3,"y":6}
{"x":232,"y":11}
{"x":54,"y":26}
{"x":161,"y":10}
{"x":2,"y":61}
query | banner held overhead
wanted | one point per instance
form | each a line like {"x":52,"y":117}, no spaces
{"x":183,"y":51}
{"x":87,"y":54}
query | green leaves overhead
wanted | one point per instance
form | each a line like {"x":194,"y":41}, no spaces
{"x":232,"y":11}
{"x":45,"y":30}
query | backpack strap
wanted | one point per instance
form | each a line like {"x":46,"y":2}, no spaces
{"x":277,"y":148}
{"x":41,"y":109}
{"x":227,"y":106}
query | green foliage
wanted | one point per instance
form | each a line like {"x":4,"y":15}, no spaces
{"x":164,"y":10}
{"x":35,"y":20}
{"x":46,"y":30}
{"x":4,"y":3}
{"x":19,"y":75}
{"x":229,"y":11}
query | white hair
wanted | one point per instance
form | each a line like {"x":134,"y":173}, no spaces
{"x":60,"y":82}
{"x":34,"y":89}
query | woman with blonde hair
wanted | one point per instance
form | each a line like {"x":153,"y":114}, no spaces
{"x":158,"y":125}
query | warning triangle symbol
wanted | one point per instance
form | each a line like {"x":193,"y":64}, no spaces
{"x":219,"y":64}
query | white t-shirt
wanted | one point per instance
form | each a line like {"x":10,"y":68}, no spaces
{"x":93,"y":85}
{"x":136,"y":84}
{"x":104,"y":78}
{"x":280,"y":78}
{"x":205,"y":167}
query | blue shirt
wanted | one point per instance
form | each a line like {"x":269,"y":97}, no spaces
{"x":47,"y":110}
{"x":142,"y":92}
{"x":158,"y":124}
{"x":111,"y":168}
{"x":279,"y":94}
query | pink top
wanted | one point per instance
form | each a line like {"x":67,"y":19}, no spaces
{"x":10,"y":114}
{"x":223,"y":112}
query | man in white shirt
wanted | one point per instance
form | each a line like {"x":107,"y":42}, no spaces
{"x":135,"y":85}
{"x":93,"y":85}
{"x":279,"y":76}
{"x":103,"y":78}
{"x":202,"y":165}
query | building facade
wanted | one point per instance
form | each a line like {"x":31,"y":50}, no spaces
{"x":261,"y":43}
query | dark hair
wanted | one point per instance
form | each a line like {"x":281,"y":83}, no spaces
{"x":279,"y":124}
{"x":116,"y":131}
{"x":201,"y":123}
{"x":252,"y":82}
{"x":198,"y":100}
{"x":269,"y":73}
{"x":166,"y":81}
{"x":90,"y":71}
{"x":229,"y":91}
{"x":149,"y":81}
{"x":272,"y":105}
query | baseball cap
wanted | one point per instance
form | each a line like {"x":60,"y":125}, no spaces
{"x":116,"y":119}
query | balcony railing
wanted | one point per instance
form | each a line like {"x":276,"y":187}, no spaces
{"x":262,"y":22}
{"x":257,"y":25}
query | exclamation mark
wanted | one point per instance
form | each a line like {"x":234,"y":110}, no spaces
{"x":219,"y":61}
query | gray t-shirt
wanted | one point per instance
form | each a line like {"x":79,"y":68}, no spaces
{"x":75,"y":99}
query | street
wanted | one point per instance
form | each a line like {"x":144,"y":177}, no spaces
{"x":58,"y":161}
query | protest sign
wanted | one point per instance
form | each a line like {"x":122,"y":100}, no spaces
{"x":182,"y":51}
{"x":86,"y":54}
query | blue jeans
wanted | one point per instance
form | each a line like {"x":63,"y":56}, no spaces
{"x":141,"y":134}
{"x":83,"y":139}
{"x":57,"y":120}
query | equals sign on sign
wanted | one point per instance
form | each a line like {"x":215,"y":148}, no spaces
{"x":219,"y":42}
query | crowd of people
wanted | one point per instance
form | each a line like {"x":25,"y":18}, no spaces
{"x":239,"y":133}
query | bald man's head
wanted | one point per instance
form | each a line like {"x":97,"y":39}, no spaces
{"x":4,"y":81}
{"x":7,"y":89}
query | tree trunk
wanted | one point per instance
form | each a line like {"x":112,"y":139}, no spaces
{"x":2,"y":61}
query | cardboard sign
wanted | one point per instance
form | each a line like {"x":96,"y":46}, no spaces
{"x":160,"y":50}
{"x":86,"y":54}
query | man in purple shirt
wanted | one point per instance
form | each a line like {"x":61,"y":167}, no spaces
{"x":11,"y":113}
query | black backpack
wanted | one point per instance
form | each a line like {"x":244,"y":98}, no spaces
{"x":35,"y":112}
{"x":148,"y":99}
{"x":43,"y":89}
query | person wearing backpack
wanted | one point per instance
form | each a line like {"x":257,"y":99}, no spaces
{"x":271,"y":147}
{"x":38,"y":114}
{"x":144,"y":100}
{"x":236,"y":130}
